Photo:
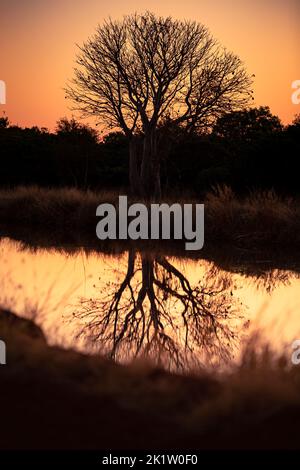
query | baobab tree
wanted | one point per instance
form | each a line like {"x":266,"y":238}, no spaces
{"x":137,"y":73}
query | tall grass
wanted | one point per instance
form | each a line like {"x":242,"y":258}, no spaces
{"x":255,"y":404}
{"x":261,"y":221}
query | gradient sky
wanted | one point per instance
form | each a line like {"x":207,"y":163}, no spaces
{"x":38,"y":45}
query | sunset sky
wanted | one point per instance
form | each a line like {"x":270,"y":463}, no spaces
{"x":38,"y":45}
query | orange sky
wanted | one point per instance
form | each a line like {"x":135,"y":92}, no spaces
{"x":38,"y":37}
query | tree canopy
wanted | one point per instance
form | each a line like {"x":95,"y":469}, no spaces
{"x":135,"y":72}
{"x":140,"y":72}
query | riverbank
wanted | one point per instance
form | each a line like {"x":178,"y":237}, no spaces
{"x":61,"y":399}
{"x":261,"y":228}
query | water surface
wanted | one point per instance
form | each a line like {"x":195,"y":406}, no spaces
{"x":171,"y":309}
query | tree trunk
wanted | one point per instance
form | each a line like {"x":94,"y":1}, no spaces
{"x":150,"y":169}
{"x":134,"y":177}
{"x":144,"y":167}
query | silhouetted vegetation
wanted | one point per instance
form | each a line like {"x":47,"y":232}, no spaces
{"x":136,"y":73}
{"x":260,"y":227}
{"x":245,"y":150}
{"x":72,"y":156}
{"x":176,"y":104}
{"x":253,"y":405}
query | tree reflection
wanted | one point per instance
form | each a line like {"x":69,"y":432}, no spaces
{"x":269,"y":280}
{"x":157,"y":312}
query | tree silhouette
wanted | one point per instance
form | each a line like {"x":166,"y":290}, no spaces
{"x":156,"y":312}
{"x":4,"y":122}
{"x":247,"y":124}
{"x":74,"y":131}
{"x":296,"y":120}
{"x":135,"y":73}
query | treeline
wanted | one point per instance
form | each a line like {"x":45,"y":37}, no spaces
{"x":246,"y":150}
{"x":71,"y":156}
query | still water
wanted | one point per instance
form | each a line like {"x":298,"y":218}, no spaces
{"x":173,"y":310}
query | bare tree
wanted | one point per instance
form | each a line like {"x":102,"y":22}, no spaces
{"x":155,"y":311}
{"x":133,"y":74}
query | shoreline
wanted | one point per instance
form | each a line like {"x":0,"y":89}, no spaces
{"x":260,"y":231}
{"x":74,"y":401}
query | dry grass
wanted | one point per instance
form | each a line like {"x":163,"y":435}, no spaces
{"x":255,"y":221}
{"x":89,"y":402}
{"x":261,"y":225}
{"x":62,"y":399}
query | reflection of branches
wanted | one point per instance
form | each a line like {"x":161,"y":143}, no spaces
{"x":155,"y":311}
{"x":268,"y":280}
